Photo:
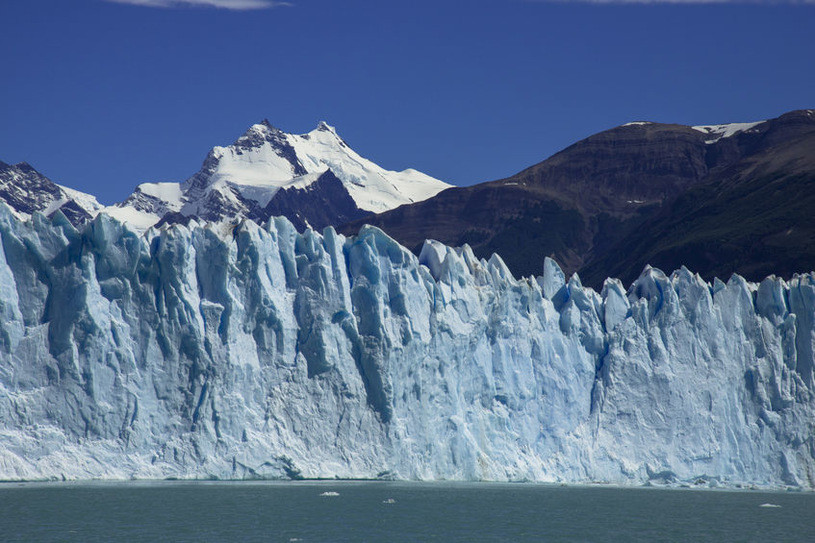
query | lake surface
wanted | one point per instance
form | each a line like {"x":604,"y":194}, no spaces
{"x":395,"y":512}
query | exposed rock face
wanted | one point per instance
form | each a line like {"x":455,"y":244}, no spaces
{"x":27,"y":191}
{"x":586,"y":205}
{"x":324,"y":202}
{"x":754,"y":216}
{"x":263,"y":352}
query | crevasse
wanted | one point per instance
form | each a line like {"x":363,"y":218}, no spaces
{"x":257,"y":351}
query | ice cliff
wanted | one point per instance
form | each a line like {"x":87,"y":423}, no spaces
{"x":257,"y":351}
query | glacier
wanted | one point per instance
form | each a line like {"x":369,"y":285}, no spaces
{"x":254,"y":351}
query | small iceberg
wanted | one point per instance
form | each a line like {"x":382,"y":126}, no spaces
{"x":389,"y":500}
{"x":771,"y":505}
{"x":330,"y":494}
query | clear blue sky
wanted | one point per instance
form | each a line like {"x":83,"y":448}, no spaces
{"x":101,"y":96}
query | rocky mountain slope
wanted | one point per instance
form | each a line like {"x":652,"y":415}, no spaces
{"x":756,"y":217}
{"x":587,"y":206}
{"x":26,"y":191}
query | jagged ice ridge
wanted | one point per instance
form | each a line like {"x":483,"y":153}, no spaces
{"x":257,"y":351}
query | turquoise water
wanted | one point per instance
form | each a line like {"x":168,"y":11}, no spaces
{"x":383,"y":511}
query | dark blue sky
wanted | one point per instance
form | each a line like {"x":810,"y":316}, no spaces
{"x":101,"y":96}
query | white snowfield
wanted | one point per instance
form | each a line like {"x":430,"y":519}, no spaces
{"x":263,"y":161}
{"x":258,"y":352}
{"x":720,"y":131}
{"x":87,"y":202}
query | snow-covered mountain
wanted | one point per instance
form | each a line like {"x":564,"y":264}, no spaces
{"x":258,"y":351}
{"x":26,"y":191}
{"x":243,"y":180}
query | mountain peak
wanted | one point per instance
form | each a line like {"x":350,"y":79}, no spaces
{"x":265,"y":123}
{"x":323,"y":126}
{"x":258,"y":135}
{"x":240,"y":179}
{"x":262,"y":128}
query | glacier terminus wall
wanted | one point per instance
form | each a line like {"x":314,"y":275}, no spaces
{"x":214,"y":351}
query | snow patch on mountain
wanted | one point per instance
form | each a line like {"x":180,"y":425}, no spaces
{"x":719,"y":131}
{"x":86,"y":201}
{"x":168,"y":192}
{"x":148,"y":204}
{"x":373,"y":188}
